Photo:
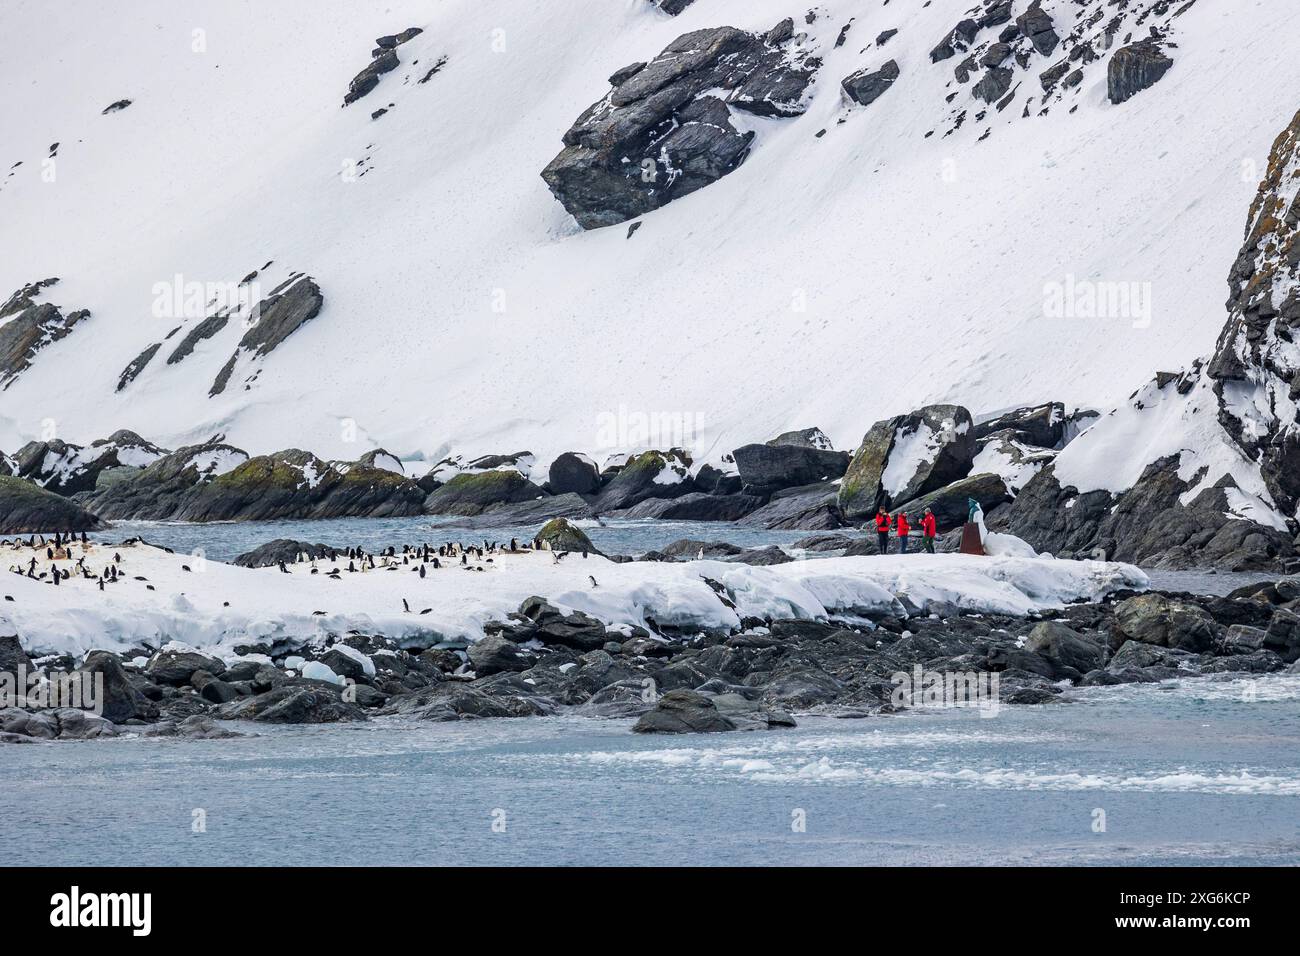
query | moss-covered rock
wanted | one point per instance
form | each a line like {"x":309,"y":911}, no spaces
{"x":467,"y":495}
{"x":651,"y":474}
{"x":26,"y":508}
{"x":215,"y":482}
{"x":905,"y":457}
{"x":297,"y":484}
{"x":559,"y":534}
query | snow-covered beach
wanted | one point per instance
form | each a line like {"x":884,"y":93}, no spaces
{"x":162,"y":596}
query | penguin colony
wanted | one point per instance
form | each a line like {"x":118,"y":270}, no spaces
{"x":66,"y":556}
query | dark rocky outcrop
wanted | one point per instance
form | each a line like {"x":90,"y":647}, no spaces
{"x":1134,"y":68}
{"x":120,"y":701}
{"x":1148,"y":525}
{"x":1159,"y":521}
{"x":959,"y":39}
{"x":290,"y":306}
{"x":1041,"y":425}
{"x":68,"y":469}
{"x":651,"y":474}
{"x":994,"y":84}
{"x":538,"y":620}
{"x":807,"y":508}
{"x":161,"y":490}
{"x":768,"y":468}
{"x":1036,"y":24}
{"x":201,"y":332}
{"x":475,"y":493}
{"x":12,"y":655}
{"x":137,"y":365}
{"x":693,"y":506}
{"x":26,"y":508}
{"x":282,"y":550}
{"x":383,"y":60}
{"x":293,"y":704}
{"x":297,"y":484}
{"x":867,"y":86}
{"x":1255,"y":351}
{"x":529,"y":512}
{"x":30,"y":327}
{"x":665,"y":131}
{"x":216,"y":482}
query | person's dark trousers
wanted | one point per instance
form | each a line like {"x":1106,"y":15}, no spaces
{"x":902,"y":544}
{"x":884,"y":541}
{"x":929,"y":544}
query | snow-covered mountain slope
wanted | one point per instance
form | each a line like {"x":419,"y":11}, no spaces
{"x":829,"y":280}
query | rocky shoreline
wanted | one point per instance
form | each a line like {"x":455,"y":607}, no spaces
{"x":763,"y":674}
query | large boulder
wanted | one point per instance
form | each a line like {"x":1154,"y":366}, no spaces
{"x":665,"y":129}
{"x":121,"y":701}
{"x":573,"y":472}
{"x":905,"y":457}
{"x":1036,"y":24}
{"x":683,"y":712}
{"x":559,"y":534}
{"x":1040,"y":425}
{"x":283,"y":551}
{"x":26,"y":508}
{"x":694,"y":506}
{"x":768,"y":468}
{"x":866,"y":86}
{"x":802,"y":438}
{"x":951,"y":503}
{"x":294,"y":704}
{"x":176,"y":667}
{"x":1065,"y":647}
{"x":807,"y":508}
{"x":1134,"y":68}
{"x":1165,"y":622}
{"x":539,"y":620}
{"x":495,"y":653}
{"x":1283,"y":634}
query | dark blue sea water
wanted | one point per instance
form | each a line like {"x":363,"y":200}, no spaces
{"x":1189,"y":772}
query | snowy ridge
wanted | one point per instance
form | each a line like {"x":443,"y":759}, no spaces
{"x":465,"y":313}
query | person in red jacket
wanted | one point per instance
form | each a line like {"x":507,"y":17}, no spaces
{"x":900,"y":523}
{"x":928,"y":529}
{"x":882,"y":530}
